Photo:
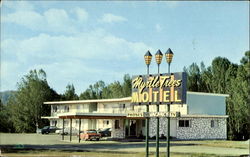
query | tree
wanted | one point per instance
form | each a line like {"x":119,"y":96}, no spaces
{"x":5,"y":122}
{"x":238,"y":105}
{"x":70,"y":94}
{"x":94,"y":91}
{"x":219,"y":69}
{"x":229,"y":78}
{"x":27,"y":104}
{"x":127,"y":85}
{"x":193,"y":80}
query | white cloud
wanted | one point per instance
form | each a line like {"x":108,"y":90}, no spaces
{"x":110,"y":18}
{"x":51,"y":20}
{"x":28,"y":19}
{"x":17,"y":5}
{"x":96,"y":54}
{"x":158,"y":27}
{"x":81,"y":14}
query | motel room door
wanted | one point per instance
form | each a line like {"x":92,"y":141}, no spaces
{"x":130,"y":127}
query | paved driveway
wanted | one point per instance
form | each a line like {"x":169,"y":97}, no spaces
{"x":54,"y":142}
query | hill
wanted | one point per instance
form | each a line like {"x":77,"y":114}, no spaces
{"x":6,"y":95}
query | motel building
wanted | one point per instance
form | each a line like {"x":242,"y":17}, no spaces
{"x":203,"y":116}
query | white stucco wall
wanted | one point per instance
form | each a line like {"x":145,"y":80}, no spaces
{"x":163,"y":127}
{"x":200,"y":128}
{"x":118,"y":133}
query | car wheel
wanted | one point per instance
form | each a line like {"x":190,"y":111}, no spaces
{"x":97,"y":139}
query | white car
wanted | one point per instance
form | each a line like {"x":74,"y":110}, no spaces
{"x":67,"y":131}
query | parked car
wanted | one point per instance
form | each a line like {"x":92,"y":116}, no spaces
{"x":49,"y":129}
{"x":90,"y":135}
{"x":105,"y":132}
{"x":67,"y":131}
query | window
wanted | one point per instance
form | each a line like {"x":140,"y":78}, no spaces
{"x":54,"y":123}
{"x":183,"y":123}
{"x":54,"y":108}
{"x":214,"y":123}
{"x":143,"y":123}
{"x":117,"y":125}
{"x":66,"y":108}
{"x":105,"y":122}
{"x":78,"y":107}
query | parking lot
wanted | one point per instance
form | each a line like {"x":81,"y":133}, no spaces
{"x":53,"y":142}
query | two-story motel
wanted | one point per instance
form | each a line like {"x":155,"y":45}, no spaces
{"x":202,"y":117}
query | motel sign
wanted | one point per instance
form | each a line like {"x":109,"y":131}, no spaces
{"x":163,"y":89}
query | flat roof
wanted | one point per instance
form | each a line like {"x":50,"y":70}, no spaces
{"x":203,"y":116}
{"x":208,"y":94}
{"x":87,"y":115}
{"x":81,"y":115}
{"x":126,"y":99}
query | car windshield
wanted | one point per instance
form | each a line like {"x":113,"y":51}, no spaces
{"x":91,"y":131}
{"x":105,"y":129}
{"x":46,"y":127}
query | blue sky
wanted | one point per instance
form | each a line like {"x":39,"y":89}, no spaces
{"x":81,"y":42}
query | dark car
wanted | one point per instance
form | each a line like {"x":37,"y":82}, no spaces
{"x":49,"y":129}
{"x":105,"y":132}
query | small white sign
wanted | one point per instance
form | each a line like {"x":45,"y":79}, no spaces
{"x":151,"y":114}
{"x":159,"y":114}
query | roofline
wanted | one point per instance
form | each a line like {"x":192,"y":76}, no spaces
{"x":209,"y":94}
{"x":126,"y":99}
{"x":203,"y":116}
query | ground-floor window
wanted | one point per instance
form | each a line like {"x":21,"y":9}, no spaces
{"x":54,"y":122}
{"x":105,"y":122}
{"x":184,"y":123}
{"x":214,"y":123}
{"x":143,"y":123}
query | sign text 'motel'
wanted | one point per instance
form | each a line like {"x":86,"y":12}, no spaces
{"x":163,"y":89}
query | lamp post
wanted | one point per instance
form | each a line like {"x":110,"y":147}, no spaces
{"x":147,"y":58}
{"x":158,"y":58}
{"x":169,"y":55}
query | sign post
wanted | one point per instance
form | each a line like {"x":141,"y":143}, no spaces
{"x":158,"y":89}
{"x":166,"y":88}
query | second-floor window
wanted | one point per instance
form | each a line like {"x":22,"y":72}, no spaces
{"x":54,"y":108}
{"x":66,"y":108}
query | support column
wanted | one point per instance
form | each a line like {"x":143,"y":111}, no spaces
{"x":63,"y":130}
{"x":70,"y":133}
{"x":128,"y":127}
{"x":79,"y":138}
{"x":168,"y":135}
